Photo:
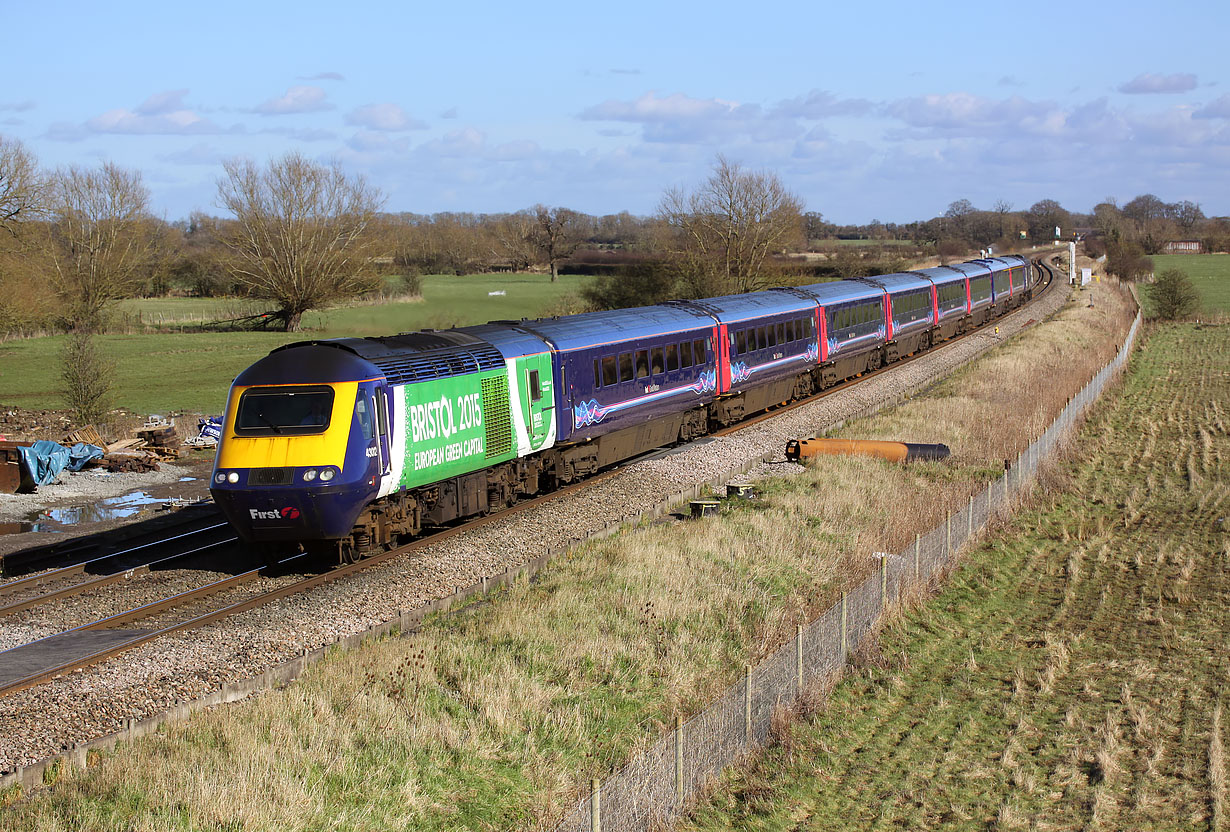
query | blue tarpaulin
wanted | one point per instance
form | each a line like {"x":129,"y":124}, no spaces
{"x":44,"y":460}
{"x":81,"y":453}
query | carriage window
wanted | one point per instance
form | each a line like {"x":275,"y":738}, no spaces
{"x":699,"y":353}
{"x":762,"y":340}
{"x":685,"y":354}
{"x":807,"y":327}
{"x":535,"y":386}
{"x":770,"y":333}
{"x":656,"y":364}
{"x":642,"y":363}
{"x":672,"y":358}
{"x":625,"y":366}
{"x":781,"y":334}
{"x":610,"y":372}
{"x":597,"y":377}
{"x":790,"y":331}
{"x":741,"y":338}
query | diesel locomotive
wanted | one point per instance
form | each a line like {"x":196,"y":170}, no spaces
{"x":348,"y":445}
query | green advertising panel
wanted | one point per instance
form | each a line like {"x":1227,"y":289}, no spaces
{"x":450,"y":427}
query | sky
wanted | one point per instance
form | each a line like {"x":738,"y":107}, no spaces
{"x":885,"y":111}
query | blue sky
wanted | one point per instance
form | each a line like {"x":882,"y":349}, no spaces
{"x":885,"y":110}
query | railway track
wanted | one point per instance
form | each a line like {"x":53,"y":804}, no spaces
{"x":120,"y":641}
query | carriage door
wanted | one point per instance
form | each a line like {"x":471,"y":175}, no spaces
{"x":538,"y":399}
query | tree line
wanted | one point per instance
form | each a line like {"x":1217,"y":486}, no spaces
{"x":301,"y":235}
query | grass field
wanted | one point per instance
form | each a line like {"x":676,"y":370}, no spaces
{"x":1210,"y":273}
{"x":161,"y":372}
{"x":493,"y":719}
{"x":1071,"y":677}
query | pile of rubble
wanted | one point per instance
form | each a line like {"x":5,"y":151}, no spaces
{"x":152,"y":443}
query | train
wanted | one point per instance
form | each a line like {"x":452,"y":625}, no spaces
{"x":350,"y":445}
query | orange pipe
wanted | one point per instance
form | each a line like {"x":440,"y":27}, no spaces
{"x":800,"y":449}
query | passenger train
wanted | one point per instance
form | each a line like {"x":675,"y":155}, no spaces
{"x":350,"y":444}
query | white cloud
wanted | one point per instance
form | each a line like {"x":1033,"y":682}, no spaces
{"x":162,"y":102}
{"x":388,"y":117}
{"x":653,"y":108}
{"x":819,"y":104}
{"x":298,"y":99}
{"x":17,"y":106}
{"x":198,"y":154}
{"x":1216,"y":109}
{"x":1153,"y":83}
{"x":175,"y":122}
{"x":323,"y":76}
{"x":303,"y":134}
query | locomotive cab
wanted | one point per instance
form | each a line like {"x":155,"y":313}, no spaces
{"x":300,"y":457}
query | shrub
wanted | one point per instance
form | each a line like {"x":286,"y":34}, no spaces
{"x":1173,"y":295}
{"x":87,"y":376}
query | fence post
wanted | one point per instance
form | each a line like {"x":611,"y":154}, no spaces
{"x":798,"y":659}
{"x":948,"y":535}
{"x":845,"y":644}
{"x":990,"y":495}
{"x":747,"y":705}
{"x":970,"y":517}
{"x":916,"y":565}
{"x":595,"y":805}
{"x":883,"y":582}
{"x":679,"y":759}
{"x":1007,"y":475}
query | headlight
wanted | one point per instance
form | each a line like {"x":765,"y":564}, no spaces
{"x":326,"y":474}
{"x":232,"y":477}
{"x":309,"y":475}
{"x":219,"y":477}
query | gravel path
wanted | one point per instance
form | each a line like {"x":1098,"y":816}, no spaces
{"x":39,"y":722}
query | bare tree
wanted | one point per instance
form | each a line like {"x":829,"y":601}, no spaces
{"x":102,"y":240}
{"x":513,"y":235}
{"x":302,"y":236}
{"x":555,"y":234}
{"x":730,"y":225}
{"x":1002,"y":207}
{"x":1185,"y":213}
{"x":23,"y":189}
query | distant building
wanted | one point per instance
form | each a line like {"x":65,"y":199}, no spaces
{"x":1183,"y":247}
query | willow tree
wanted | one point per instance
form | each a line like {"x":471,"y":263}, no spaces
{"x":304,"y":233}
{"x":728,"y":228}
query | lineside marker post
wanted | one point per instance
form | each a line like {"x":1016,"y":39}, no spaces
{"x":595,"y":805}
{"x":679,"y":759}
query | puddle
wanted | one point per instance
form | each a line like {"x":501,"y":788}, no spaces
{"x":111,"y":508}
{"x":20,"y":528}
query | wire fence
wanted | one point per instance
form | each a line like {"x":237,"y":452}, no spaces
{"x":654,"y":787}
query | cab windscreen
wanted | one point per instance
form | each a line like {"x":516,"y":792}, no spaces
{"x":283,"y":411}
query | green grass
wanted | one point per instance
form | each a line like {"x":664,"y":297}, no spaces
{"x":160,"y":372}
{"x":1072,"y":675}
{"x":1209,"y":272}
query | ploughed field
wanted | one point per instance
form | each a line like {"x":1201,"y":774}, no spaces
{"x":1073,"y":674}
